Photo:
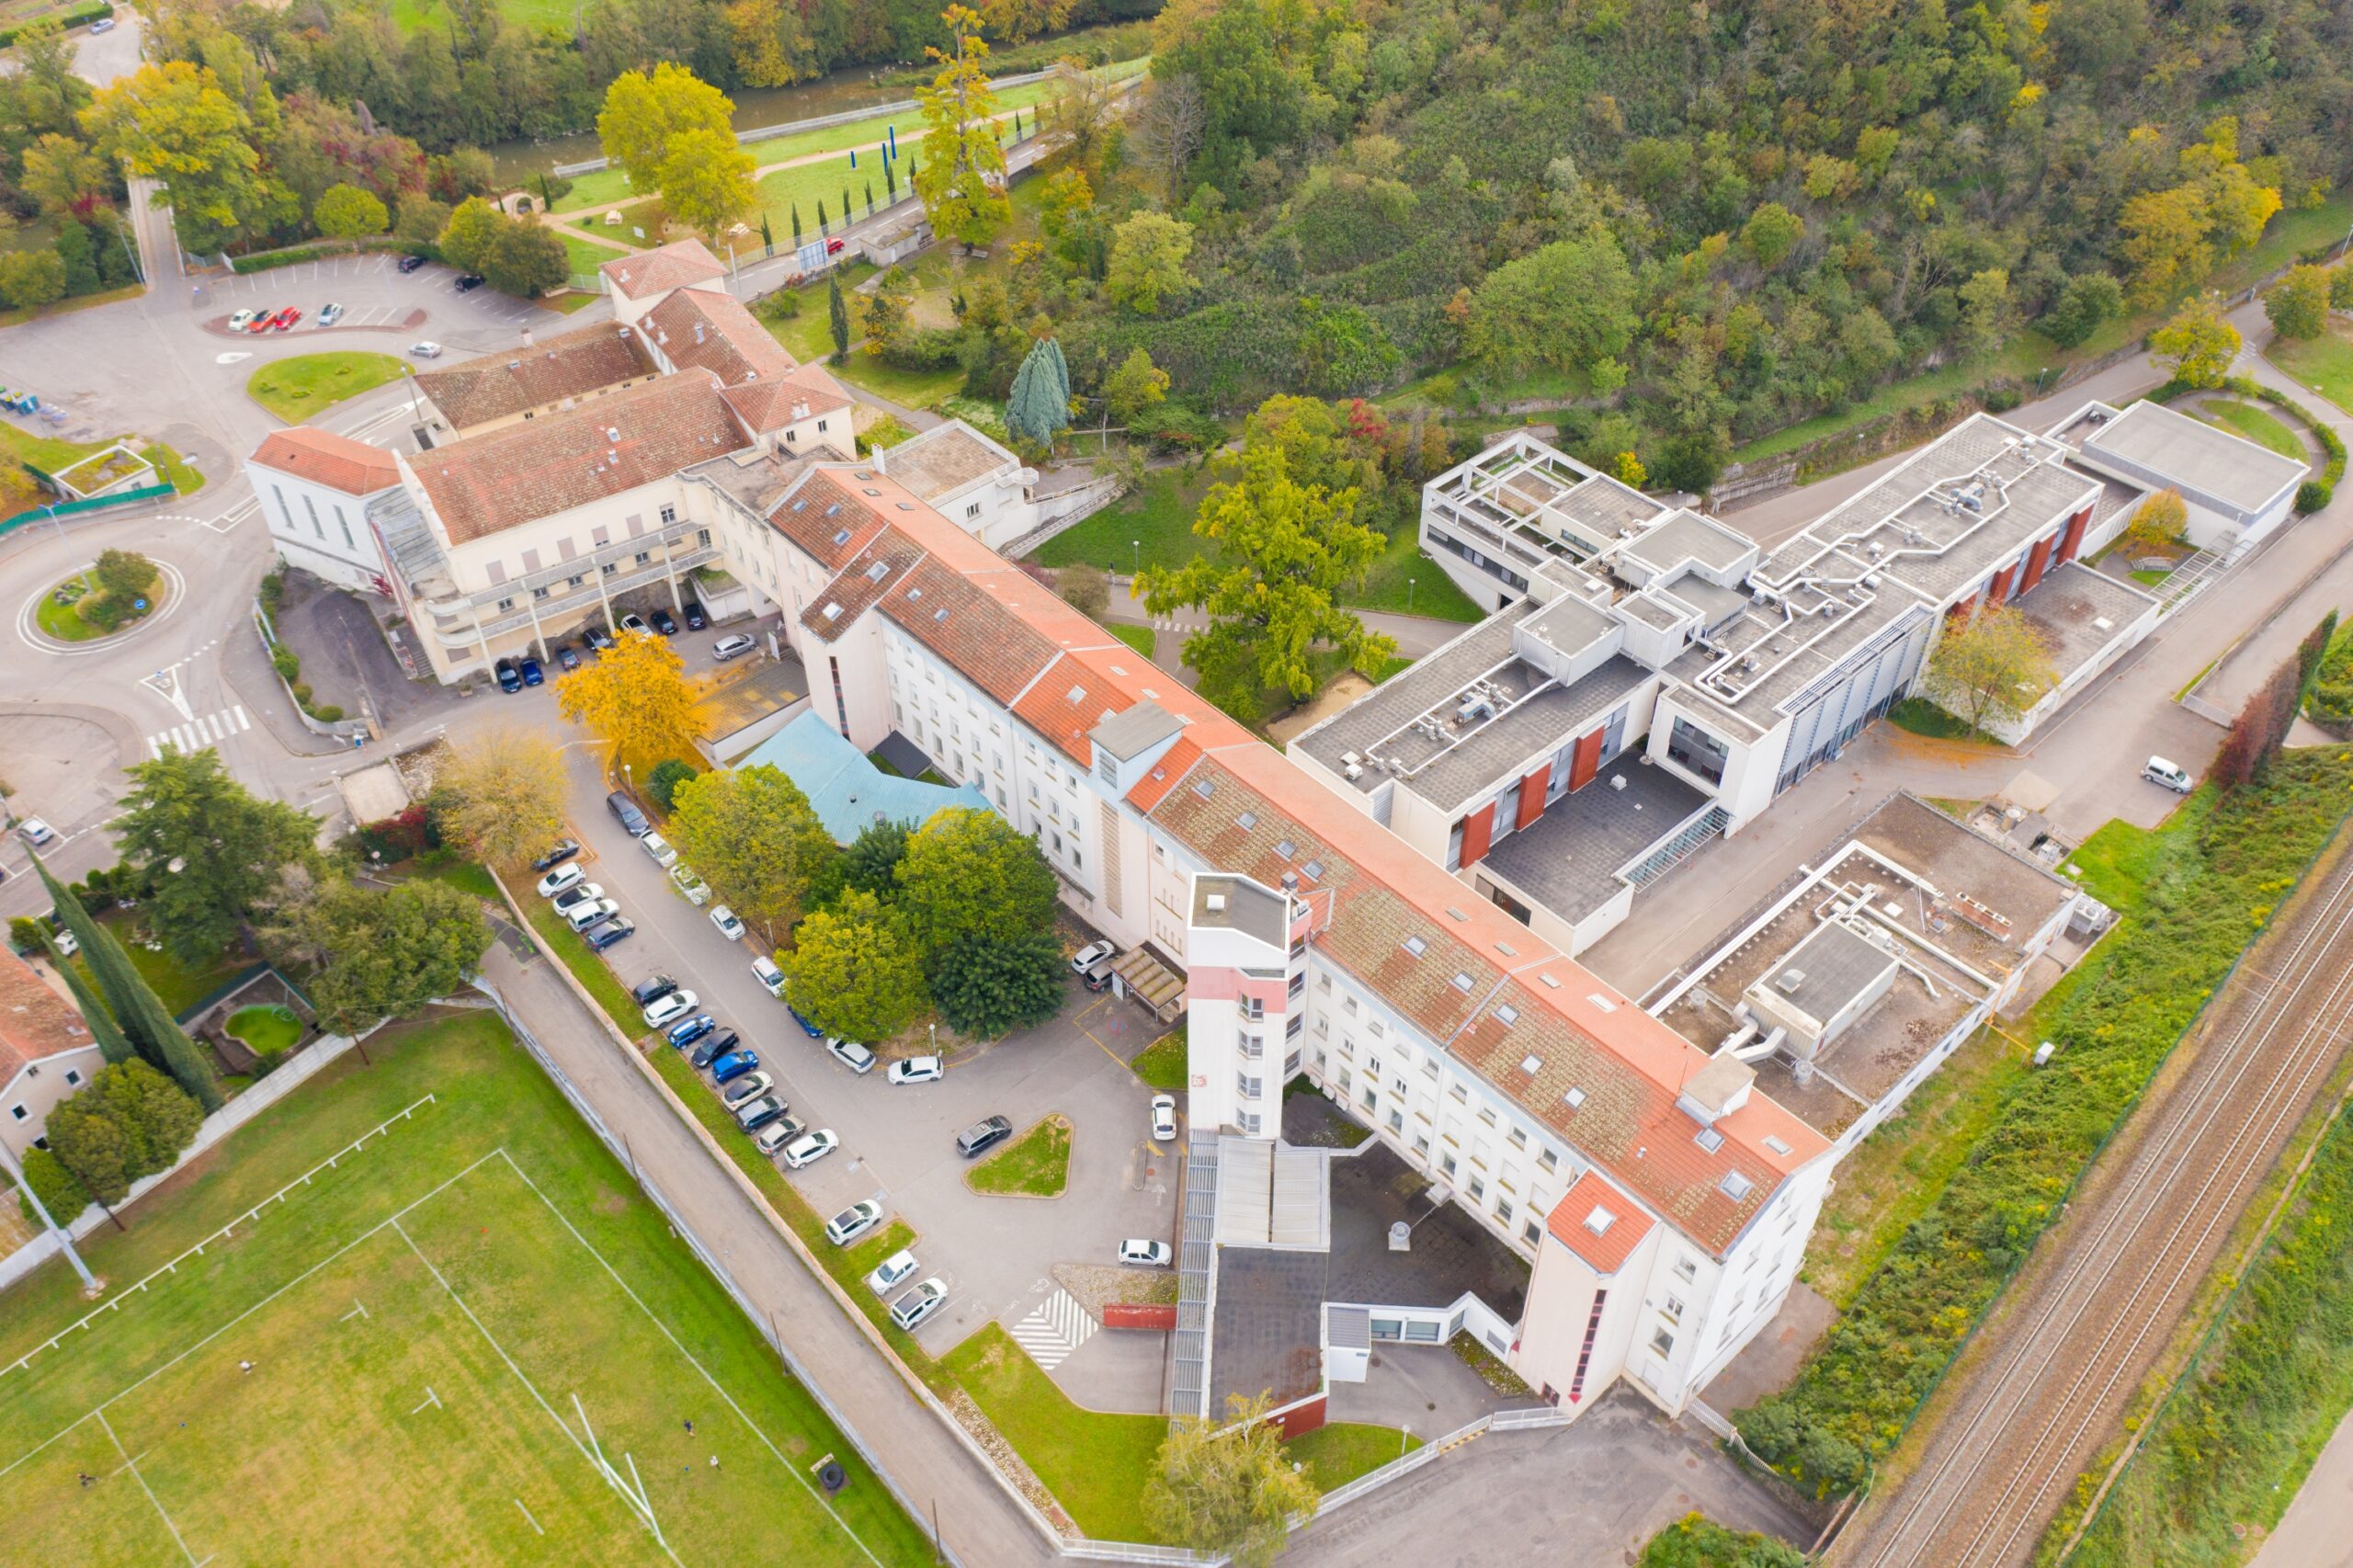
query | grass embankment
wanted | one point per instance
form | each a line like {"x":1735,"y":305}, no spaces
{"x":2264,"y":429}
{"x":588,"y":966}
{"x":1162,"y":1063}
{"x":1096,"y":1463}
{"x":2324,"y":364}
{"x":1697,"y":1541}
{"x":1036,"y":1165}
{"x":2213,"y":880}
{"x":585,"y":257}
{"x":1921,"y":717}
{"x":2224,"y":1458}
{"x":1337,"y":1453}
{"x":298,"y":388}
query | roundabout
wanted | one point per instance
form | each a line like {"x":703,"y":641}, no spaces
{"x":52,"y":621}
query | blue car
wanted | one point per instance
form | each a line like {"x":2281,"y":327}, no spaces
{"x":567,"y":657}
{"x":532,"y":674}
{"x":605,"y":933}
{"x":812,"y":1030}
{"x":734,"y":1065}
{"x":510,"y":680}
{"x":686,"y":1031}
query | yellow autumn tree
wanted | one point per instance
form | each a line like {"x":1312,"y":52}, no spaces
{"x":637,"y":699}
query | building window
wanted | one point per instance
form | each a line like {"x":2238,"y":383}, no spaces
{"x":506,"y":604}
{"x":669,"y":513}
{"x":1503,"y":1212}
{"x":1685,"y":1269}
{"x":821,"y":427}
{"x":1478,"y":1189}
{"x":1532,"y":1232}
{"x":644,"y":558}
{"x":1421,"y":1333}
{"x":72,"y":1075}
{"x":314,"y":510}
{"x":1446,"y":1163}
{"x":1547,"y":1160}
{"x":575,"y":581}
{"x":539,"y":593}
{"x":1697,"y":751}
{"x":1421,"y":1145}
{"x":1663,"y":1342}
{"x":1396,"y":1121}
{"x":17,"y":1111}
{"x":1673,"y":1310}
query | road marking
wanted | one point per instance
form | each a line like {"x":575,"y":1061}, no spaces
{"x":200,"y":733}
{"x":1054,"y":1328}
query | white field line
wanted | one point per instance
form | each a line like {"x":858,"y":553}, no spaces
{"x":132,"y":1465}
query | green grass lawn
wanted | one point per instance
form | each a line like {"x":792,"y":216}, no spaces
{"x":908,"y":389}
{"x":1405,"y":581}
{"x":2119,"y":858}
{"x":269,"y":1029}
{"x":2257,"y":424}
{"x":1921,"y":717}
{"x":2322,"y":364}
{"x":1162,"y":1065}
{"x":586,"y":965}
{"x":487,"y":1249}
{"x":1337,"y":1453}
{"x":1096,"y":1464}
{"x":180,"y":986}
{"x":298,"y":388}
{"x":64,"y":621}
{"x":1036,"y":1165}
{"x":586,"y":257}
{"x":1142,"y":639}
{"x":2149,"y":579}
{"x":548,"y":16}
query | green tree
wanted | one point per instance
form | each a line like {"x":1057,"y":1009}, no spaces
{"x":64,"y":175}
{"x":124,"y":573}
{"x":2197,"y":343}
{"x":2298,"y":303}
{"x":1992,"y":667}
{"x":347,"y":212}
{"x":796,"y":225}
{"x":112,"y":1043}
{"x":174,"y":123}
{"x":93,"y":1146}
{"x":1038,"y":409}
{"x":1147,"y":265}
{"x":524,"y":259}
{"x":1567,"y":306}
{"x":77,"y":258}
{"x":138,"y":1012}
{"x":853,"y":971}
{"x":129,"y":1121}
{"x":1228,"y":1486}
{"x":663,"y":783}
{"x":2340,"y":287}
{"x":836,"y":313}
{"x":645,"y":117}
{"x":379,"y":953}
{"x":1135,"y":387}
{"x":872,"y":861}
{"x":752,"y":835}
{"x":987,"y":986}
{"x":209,"y":848}
{"x":969,"y":872}
{"x":31,"y":278}
{"x":466,"y":238}
{"x":2088,"y":299}
{"x":1985,"y":313}
{"x":961,"y":180}
{"x":59,"y":1192}
{"x":1284,"y":551}
{"x":1771,"y":232}
{"x":420,"y":222}
{"x":706,"y":180}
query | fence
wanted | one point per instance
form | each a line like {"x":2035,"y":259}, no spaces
{"x":91,"y":504}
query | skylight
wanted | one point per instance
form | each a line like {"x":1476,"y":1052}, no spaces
{"x":842,"y":537}
{"x":1778,"y":1145}
{"x":831,"y":611}
{"x":1599,"y":1220}
{"x":1508,"y":1015}
{"x":1417,"y":947}
{"x":1286,"y":848}
{"x":1604,"y":1002}
{"x":879,"y":571}
{"x":1462,"y":983}
{"x":1077,"y":695}
{"x":1574,"y":1098}
{"x":1315,"y":869}
{"x":1708,"y":1138}
{"x":1247,"y":821}
{"x":1735,"y":1185}
{"x":1203,"y":787}
{"x":1529,"y":1064}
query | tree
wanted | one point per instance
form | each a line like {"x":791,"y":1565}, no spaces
{"x":2158,"y":521}
{"x":347,"y":212}
{"x":1566,"y":306}
{"x":379,"y":953}
{"x":209,"y":848}
{"x":139,"y":1015}
{"x":1985,"y":314}
{"x":837,"y":310}
{"x":500,"y":796}
{"x":112,"y":1043}
{"x":1284,"y":549}
{"x":467,"y":237}
{"x":1038,"y":409}
{"x":969,"y":872}
{"x":989,"y":986}
{"x":2298,"y":303}
{"x":706,"y":181}
{"x":524,"y":259}
{"x":1771,"y":234}
{"x":1085,"y":587}
{"x":1992,"y":667}
{"x":1018,"y":21}
{"x":890,"y":310}
{"x":1228,"y":1488}
{"x":664,"y":781}
{"x":64,"y":175}
{"x":636,"y":698}
{"x":645,"y":117}
{"x":2198,"y":344}
{"x":174,"y":123}
{"x":752,"y":835}
{"x":92,"y":1147}
{"x":853,"y":972}
{"x":872,"y":861}
{"x":420,"y":222}
{"x":76,"y":257}
{"x":31,"y":278}
{"x":2340,"y":287}
{"x":1147,"y":265}
{"x":129,"y":1121}
{"x":124,"y":574}
{"x":961,"y":180}
{"x":2261,"y":727}
{"x":1137,"y":385}
{"x":2087,"y":300}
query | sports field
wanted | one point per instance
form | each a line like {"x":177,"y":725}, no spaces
{"x":469,"y":1339}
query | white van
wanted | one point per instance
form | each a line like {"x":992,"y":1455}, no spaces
{"x":663,"y":856}
{"x":2172,"y":775}
{"x":770,"y":975}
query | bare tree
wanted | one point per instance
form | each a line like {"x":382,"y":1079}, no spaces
{"x":505,"y":793}
{"x":1168,"y":127}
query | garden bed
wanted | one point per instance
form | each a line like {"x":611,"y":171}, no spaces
{"x":1036,"y":1165}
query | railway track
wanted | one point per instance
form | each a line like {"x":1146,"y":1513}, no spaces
{"x":2055,"y":1380}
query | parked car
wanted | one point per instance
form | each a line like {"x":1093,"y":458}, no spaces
{"x":239,"y":321}
{"x":611,"y":931}
{"x":567,"y":657}
{"x":983,"y":1136}
{"x":892,"y":1272}
{"x":67,"y":943}
{"x":764,"y":969}
{"x":811,"y":1147}
{"x":1098,"y":978}
{"x":733,"y":647}
{"x":468,"y":282}
{"x":778,"y":1134}
{"x":686,"y":1031}
{"x":35,"y":832}
{"x":625,"y":813}
{"x":918,"y":1070}
{"x":285,"y":319}
{"x":735,"y":1064}
{"x":1164,"y":1119}
{"x":1141,"y":1253}
{"x":764,"y":1112}
{"x":853,"y":1222}
{"x":711,"y":1048}
{"x":532,"y":674}
{"x":812,"y":1030}
{"x":103,"y":24}
{"x":654,"y":844}
{"x":262,"y":322}
{"x":588,"y":912}
{"x":636,"y":622}
{"x":698,"y":891}
{"x":596,"y":637}
{"x":750,"y":1086}
{"x":696,"y":618}
{"x":910,"y":1310}
{"x":565,"y":848}
{"x":576,"y":894}
{"x":2172,"y":775}
{"x":729,"y":927}
{"x":425,"y":350}
{"x":510,"y":679}
{"x":563,"y":878}
{"x":834,"y":247}
{"x":652,"y":989}
{"x":851,"y":1054}
{"x":676,"y":1004}
{"x":663,"y":623}
{"x":1087,"y":957}
{"x":330,"y":314}
{"x":410,"y":264}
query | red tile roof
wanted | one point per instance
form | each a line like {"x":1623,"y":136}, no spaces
{"x":824,"y":514}
{"x":324,"y":457}
{"x":674,"y":265}
{"x":510,"y":476}
{"x":700,"y":329}
{"x":571,"y":364}
{"x":799,"y":394}
{"x":1599,"y":1223}
{"x":36,"y":1023}
{"x":872,"y":573}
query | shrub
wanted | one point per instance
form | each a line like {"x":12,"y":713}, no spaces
{"x":661,"y":784}
{"x":782,"y":305}
{"x":2314,"y":494}
{"x":59,"y":1193}
{"x":2000,"y":397}
{"x":288,"y":663}
{"x":24,"y":934}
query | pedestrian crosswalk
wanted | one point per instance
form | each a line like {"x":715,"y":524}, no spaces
{"x":1054,"y":1328}
{"x":199,"y":734}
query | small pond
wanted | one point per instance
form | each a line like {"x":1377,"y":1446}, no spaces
{"x":269,"y":1029}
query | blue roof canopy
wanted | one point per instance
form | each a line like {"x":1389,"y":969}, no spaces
{"x":848,"y":791}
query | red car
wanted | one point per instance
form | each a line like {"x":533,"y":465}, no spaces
{"x":285,"y":318}
{"x":262,"y":322}
{"x":833,"y":247}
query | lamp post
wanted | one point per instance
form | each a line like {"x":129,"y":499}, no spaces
{"x":1137,"y":545}
{"x":66,"y":1238}
{"x":1409,"y":595}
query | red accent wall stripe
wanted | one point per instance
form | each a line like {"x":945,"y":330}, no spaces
{"x":1478,"y":829}
{"x":2036,"y":559}
{"x":1531,"y":795}
{"x":1586,"y":761}
{"x":2073,"y":540}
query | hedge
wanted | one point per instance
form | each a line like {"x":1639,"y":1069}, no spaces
{"x":63,"y":1196}
{"x":2220,"y":867}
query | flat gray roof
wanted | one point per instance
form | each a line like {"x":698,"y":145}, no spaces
{"x":1828,"y":969}
{"x":1688,"y":536}
{"x":2079,"y":611}
{"x":1242,"y":905}
{"x":2193,"y":456}
{"x":1567,"y":860}
{"x":1134,"y":731}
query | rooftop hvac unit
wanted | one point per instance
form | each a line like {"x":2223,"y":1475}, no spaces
{"x":1350,"y":759}
{"x":1352,"y":771}
{"x":1788,"y":982}
{"x":1617,"y":781}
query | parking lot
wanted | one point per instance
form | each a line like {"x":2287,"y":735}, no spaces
{"x":375,"y":293}
{"x":898,"y":1143}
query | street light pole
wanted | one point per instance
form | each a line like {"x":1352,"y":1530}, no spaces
{"x":1137,"y":545}
{"x":66,"y":1238}
{"x":1409,"y":595}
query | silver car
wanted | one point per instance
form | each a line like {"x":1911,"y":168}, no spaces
{"x":910,"y":1310}
{"x":892,"y":1272}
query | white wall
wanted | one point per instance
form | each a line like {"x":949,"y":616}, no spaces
{"x":321,"y":529}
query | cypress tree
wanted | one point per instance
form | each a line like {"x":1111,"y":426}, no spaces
{"x":768,"y":238}
{"x":103,"y":1028}
{"x":838,"y":316}
{"x":146,"y":1022}
{"x":869,"y":198}
{"x":847,"y":207}
{"x":821,"y":215}
{"x":796,"y":225}
{"x":891,"y":179}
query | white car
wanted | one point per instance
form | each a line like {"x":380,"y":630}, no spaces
{"x":35,"y":832}
{"x":683,"y":878}
{"x":563,"y":878}
{"x":853,"y":1222}
{"x":1087,"y":957}
{"x":745,"y":1089}
{"x":676,"y":1004}
{"x":1164,"y":1119}
{"x":103,"y":24}
{"x":582,"y":915}
{"x":575,"y":895}
{"x":850,"y":1055}
{"x":733,"y":647}
{"x":330,"y":314}
{"x":729,"y":927}
{"x":1142,"y":1253}
{"x":764,"y":969}
{"x":918,"y":1070}
{"x":425,"y":350}
{"x":635,"y":622}
{"x":811,"y":1147}
{"x":654,"y":844}
{"x":2172,"y":775}
{"x":892,"y":1272}
{"x":240,"y":320}
{"x":910,"y":1310}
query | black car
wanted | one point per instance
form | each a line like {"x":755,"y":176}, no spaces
{"x":565,"y":848}
{"x":652,"y":989}
{"x":983,"y":1136}
{"x":411,"y":263}
{"x":605,"y":932}
{"x":663,"y":623}
{"x":696,"y":619}
{"x":567,"y":657}
{"x":711,"y":1048}
{"x":510,"y":679}
{"x":468,"y":282}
